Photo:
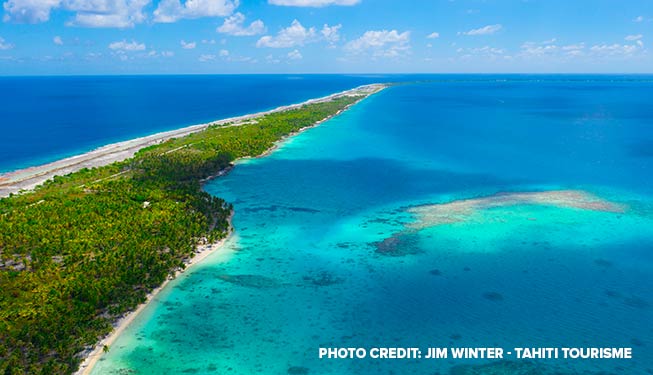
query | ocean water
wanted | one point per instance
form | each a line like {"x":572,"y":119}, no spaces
{"x":44,"y":119}
{"x":326,"y":251}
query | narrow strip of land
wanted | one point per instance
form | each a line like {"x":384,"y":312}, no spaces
{"x":29,"y":178}
{"x":104,"y":231}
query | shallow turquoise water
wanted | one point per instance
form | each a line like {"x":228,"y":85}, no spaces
{"x":302,"y":271}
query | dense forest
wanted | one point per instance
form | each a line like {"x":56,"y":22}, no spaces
{"x":83,"y":249}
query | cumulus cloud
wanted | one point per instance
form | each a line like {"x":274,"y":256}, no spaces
{"x":331,"y":33}
{"x":107,"y":13}
{"x":574,"y":49}
{"x":616,"y":49}
{"x":548,"y":48}
{"x":291,"y":36}
{"x":29,"y":11}
{"x":381,"y":43}
{"x":188,"y":45}
{"x":295,"y":55}
{"x":88,"y":13}
{"x":234,"y":25}
{"x":535,"y":50}
{"x":634,"y":37}
{"x":173,"y":10}
{"x":485,"y":30}
{"x":205,"y":58}
{"x":127,"y":46}
{"x":57,"y":40}
{"x":4,"y":45}
{"x":486,"y":52}
{"x":578,"y":50}
{"x":433,"y":35}
{"x":224,"y":53}
{"x":313,"y":3}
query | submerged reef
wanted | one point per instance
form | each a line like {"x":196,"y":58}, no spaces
{"x":405,"y":242}
{"x":458,"y":211}
{"x":399,"y":244}
{"x":250,"y":281}
{"x":322,"y":278}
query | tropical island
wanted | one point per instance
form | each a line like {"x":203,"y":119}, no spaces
{"x":83,"y":249}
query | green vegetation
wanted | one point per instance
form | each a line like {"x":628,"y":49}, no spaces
{"x":83,"y":249}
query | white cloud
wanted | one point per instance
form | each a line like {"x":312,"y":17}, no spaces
{"x":188,"y":45}
{"x":381,"y":43}
{"x":549,"y":48}
{"x":125,"y":46}
{"x":4,"y":45}
{"x":634,"y":37}
{"x":157,"y":54}
{"x":313,"y":3}
{"x":534,"y":50}
{"x":616,"y":49}
{"x":600,"y":51}
{"x":29,"y":11}
{"x":242,"y":59}
{"x":295,"y":55}
{"x":173,"y":10}
{"x":331,"y":33}
{"x":205,"y":58}
{"x":433,"y":35}
{"x":638,"y":19}
{"x":485,"y":30}
{"x":57,"y":40}
{"x":234,"y":26}
{"x":574,"y":49}
{"x":88,"y":13}
{"x":208,"y":41}
{"x":224,"y":53}
{"x":272,"y":60}
{"x":291,"y":36}
{"x":485,"y":51}
{"x":106,"y":13}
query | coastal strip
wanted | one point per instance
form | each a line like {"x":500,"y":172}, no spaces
{"x":29,"y":178}
{"x":94,"y":354}
{"x":202,"y":251}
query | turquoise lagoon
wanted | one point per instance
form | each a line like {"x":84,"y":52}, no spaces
{"x":323,"y":254}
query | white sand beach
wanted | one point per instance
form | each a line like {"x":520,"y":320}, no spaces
{"x":28,"y":178}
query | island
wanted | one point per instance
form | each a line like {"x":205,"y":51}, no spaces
{"x":85,"y":240}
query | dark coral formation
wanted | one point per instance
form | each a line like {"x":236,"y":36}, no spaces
{"x":250,"y":281}
{"x":323,"y":278}
{"x":399,"y":244}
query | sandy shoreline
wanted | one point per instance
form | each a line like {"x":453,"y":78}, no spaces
{"x":28,"y":178}
{"x":202,"y":251}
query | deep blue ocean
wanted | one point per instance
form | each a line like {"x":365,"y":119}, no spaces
{"x":48,"y":118}
{"x":382,"y":227}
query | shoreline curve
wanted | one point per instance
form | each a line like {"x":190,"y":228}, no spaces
{"x":27,"y":179}
{"x":92,"y":356}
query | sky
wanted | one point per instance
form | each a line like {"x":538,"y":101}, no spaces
{"x":50,"y":37}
